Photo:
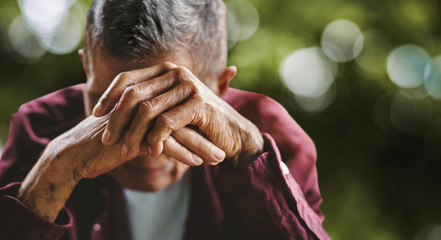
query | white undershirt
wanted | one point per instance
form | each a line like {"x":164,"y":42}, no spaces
{"x":158,"y":215}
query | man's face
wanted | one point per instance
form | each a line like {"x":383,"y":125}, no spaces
{"x":143,"y":173}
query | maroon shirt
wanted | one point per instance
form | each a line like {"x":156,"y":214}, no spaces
{"x":253,"y":202}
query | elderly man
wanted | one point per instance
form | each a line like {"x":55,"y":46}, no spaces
{"x":155,"y":145}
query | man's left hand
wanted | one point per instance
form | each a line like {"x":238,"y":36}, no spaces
{"x":153,"y":103}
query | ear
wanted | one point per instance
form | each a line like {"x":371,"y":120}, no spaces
{"x":225,"y":78}
{"x":82,"y":55}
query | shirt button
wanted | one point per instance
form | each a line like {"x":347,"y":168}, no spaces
{"x":97,"y":227}
{"x":285,"y":169}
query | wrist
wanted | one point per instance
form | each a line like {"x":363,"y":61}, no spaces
{"x":251,"y":148}
{"x":48,"y":185}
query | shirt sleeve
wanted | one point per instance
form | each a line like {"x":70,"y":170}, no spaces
{"x":296,"y":148}
{"x":17,"y":222}
{"x":270,"y":199}
{"x":31,"y":129}
{"x":34,"y":125}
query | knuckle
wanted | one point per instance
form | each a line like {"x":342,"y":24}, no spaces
{"x":147,"y":107}
{"x":182,"y":73}
{"x":191,"y":87}
{"x":168,"y":65}
{"x":165,"y":121}
{"x":130,"y":92}
{"x":123,"y":76}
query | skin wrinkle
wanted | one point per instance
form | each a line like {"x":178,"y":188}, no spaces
{"x":218,"y":126}
{"x":149,"y":94}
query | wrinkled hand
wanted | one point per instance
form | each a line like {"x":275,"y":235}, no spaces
{"x":154,"y":103}
{"x":78,"y":154}
{"x":72,"y":156}
{"x":89,"y":158}
{"x":82,"y":149}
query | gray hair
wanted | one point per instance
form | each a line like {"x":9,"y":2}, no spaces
{"x":133,"y":30}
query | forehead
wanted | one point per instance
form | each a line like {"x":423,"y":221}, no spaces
{"x":102,"y":68}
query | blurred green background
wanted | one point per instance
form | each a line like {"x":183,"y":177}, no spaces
{"x":363,"y":78}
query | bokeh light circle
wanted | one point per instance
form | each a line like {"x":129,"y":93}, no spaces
{"x":67,"y":37}
{"x":342,"y":40}
{"x":23,"y":41}
{"x":43,"y":16}
{"x":233,"y":30}
{"x":317,"y":104}
{"x":433,"y":82}
{"x":243,"y":20}
{"x":307,"y":73}
{"x":56,"y":28}
{"x":408,"y":66}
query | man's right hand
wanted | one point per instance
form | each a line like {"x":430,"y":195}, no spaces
{"x":78,"y":154}
{"x":72,"y":156}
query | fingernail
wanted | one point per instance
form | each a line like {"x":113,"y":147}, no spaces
{"x":218,"y":154}
{"x":106,"y":136}
{"x":124,"y":152}
{"x":197,"y":159}
{"x":97,"y":109}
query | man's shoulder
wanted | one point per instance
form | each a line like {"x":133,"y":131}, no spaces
{"x":52,"y":113}
{"x":239,"y":99}
{"x":255,"y":106}
{"x":59,"y":98}
{"x":270,"y":117}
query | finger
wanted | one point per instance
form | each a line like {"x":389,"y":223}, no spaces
{"x":188,"y":113}
{"x":149,"y":110}
{"x":174,"y":149}
{"x":125,"y":79}
{"x":128,"y":104}
{"x":199,"y":145}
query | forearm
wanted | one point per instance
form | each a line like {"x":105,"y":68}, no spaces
{"x":48,"y":185}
